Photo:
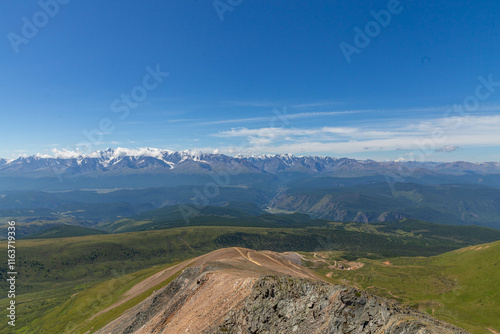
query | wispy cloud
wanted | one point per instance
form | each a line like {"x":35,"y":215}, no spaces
{"x":267,"y":104}
{"x":284,"y":116}
{"x":447,"y":148}
{"x":439,"y":110}
{"x":184,"y":120}
{"x":321,"y":114}
{"x":270,"y":104}
{"x":315,"y":104}
{"x":237,"y":120}
{"x":394,"y":114}
{"x":131,"y":123}
{"x":390,"y":114}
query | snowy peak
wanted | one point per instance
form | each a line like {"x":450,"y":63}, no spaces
{"x":194,"y":162}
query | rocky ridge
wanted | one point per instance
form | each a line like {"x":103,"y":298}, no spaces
{"x":248,"y":292}
{"x":292,"y":305}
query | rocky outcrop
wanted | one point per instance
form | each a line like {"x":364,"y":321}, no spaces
{"x":189,"y":304}
{"x":292,"y":305}
{"x":229,"y":297}
{"x":204,"y":293}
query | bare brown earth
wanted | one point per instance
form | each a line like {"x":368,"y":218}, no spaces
{"x":220,"y":292}
{"x":236,"y":256}
{"x":238,"y":290}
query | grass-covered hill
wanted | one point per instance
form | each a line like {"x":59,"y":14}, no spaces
{"x":53,"y":270}
{"x":64,"y":281}
{"x":461,"y":287}
{"x":64,"y":231}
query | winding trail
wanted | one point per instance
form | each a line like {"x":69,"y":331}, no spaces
{"x":248,"y":257}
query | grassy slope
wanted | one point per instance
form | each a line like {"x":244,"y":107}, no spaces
{"x":53,"y":270}
{"x":265,"y":220}
{"x":96,"y":268}
{"x":75,"y":315}
{"x":461,"y":287}
{"x":64,"y":231}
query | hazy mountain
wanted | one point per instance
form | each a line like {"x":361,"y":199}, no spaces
{"x":339,"y":189}
{"x":150,"y":167}
{"x":380,"y":202}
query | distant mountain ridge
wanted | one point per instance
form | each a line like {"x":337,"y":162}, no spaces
{"x":154,"y":160}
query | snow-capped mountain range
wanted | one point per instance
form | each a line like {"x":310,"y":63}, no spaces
{"x":191,"y":161}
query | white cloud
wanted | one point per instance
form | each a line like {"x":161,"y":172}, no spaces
{"x":65,"y":154}
{"x":144,"y":151}
{"x":43,"y":156}
{"x":118,"y":152}
{"x":448,"y":148}
{"x":444,"y":134}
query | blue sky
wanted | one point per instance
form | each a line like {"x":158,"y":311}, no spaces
{"x":253,"y":77}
